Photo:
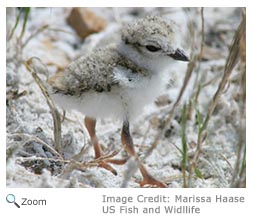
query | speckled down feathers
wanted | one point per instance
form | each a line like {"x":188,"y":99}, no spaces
{"x":148,"y":26}
{"x":93,"y":72}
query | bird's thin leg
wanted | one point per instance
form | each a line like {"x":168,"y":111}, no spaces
{"x":127,"y":142}
{"x":90,"y":125}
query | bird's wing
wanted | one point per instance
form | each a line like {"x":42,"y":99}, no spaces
{"x":93,"y":72}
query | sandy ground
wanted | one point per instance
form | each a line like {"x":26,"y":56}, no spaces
{"x":31,"y":164}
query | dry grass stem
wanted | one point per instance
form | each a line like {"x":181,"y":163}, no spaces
{"x":53,"y":109}
{"x":202,"y":34}
{"x":38,"y":31}
{"x":239,"y":175}
{"x":232,"y":60}
{"x":32,"y":138}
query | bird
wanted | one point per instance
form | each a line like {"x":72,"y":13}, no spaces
{"x":117,"y":80}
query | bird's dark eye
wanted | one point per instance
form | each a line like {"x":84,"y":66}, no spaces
{"x":152,"y":48}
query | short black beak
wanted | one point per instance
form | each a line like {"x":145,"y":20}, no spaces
{"x":180,"y":55}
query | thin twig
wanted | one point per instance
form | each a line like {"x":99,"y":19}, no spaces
{"x":38,"y":31}
{"x":184,"y":146}
{"x":202,"y":34}
{"x":202,"y":44}
{"x":230,"y":64}
{"x":56,"y":116}
{"x":232,"y":60}
{"x":36,"y":139}
{"x":15,"y":26}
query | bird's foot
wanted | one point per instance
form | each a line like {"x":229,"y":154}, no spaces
{"x":150,"y":180}
{"x":105,"y":161}
{"x":105,"y":165}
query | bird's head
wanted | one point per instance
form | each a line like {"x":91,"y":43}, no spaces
{"x":153,"y":39}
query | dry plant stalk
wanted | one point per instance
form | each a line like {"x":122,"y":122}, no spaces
{"x":53,"y":109}
{"x":202,"y":44}
{"x":239,"y":175}
{"x":32,"y":138}
{"x":198,"y":59}
{"x":231,"y":62}
{"x":38,"y":31}
{"x":82,"y":166}
{"x":202,"y":34}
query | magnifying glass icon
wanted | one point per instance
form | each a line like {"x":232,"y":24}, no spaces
{"x":10,"y":198}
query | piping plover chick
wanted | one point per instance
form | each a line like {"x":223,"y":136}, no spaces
{"x":119,"y":79}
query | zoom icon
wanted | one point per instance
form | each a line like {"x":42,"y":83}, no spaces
{"x":10,"y":198}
